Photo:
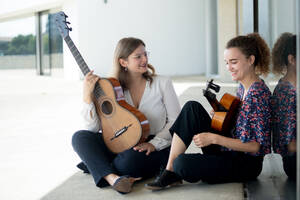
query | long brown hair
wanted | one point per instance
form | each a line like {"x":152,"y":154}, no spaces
{"x":253,"y":44}
{"x":124,"y":48}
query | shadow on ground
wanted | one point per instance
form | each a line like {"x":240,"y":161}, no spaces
{"x":81,"y":186}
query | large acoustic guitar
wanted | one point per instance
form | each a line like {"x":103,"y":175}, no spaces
{"x":225,"y":110}
{"x":123,"y":126}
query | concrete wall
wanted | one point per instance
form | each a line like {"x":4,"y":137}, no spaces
{"x":227,"y":29}
{"x":173,"y":31}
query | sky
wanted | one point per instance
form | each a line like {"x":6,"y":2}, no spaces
{"x":13,"y":28}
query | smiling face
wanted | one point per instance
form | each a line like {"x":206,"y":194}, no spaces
{"x":238,"y":65}
{"x":137,"y":61}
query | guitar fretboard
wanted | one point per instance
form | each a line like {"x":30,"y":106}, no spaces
{"x":98,"y":92}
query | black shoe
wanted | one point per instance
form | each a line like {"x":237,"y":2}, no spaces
{"x":83,"y":167}
{"x":167,"y":178}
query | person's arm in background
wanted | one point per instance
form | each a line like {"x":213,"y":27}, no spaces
{"x":163,"y":139}
{"x":90,"y":118}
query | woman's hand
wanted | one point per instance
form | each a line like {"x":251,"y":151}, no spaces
{"x":89,"y":82}
{"x":145,"y":147}
{"x":212,"y":112}
{"x":204,"y":139}
{"x":292,"y":146}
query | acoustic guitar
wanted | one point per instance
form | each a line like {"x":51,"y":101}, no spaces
{"x":224,"y":110}
{"x":123,"y":126}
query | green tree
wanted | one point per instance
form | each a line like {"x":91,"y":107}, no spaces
{"x":21,"y":45}
{"x":46,"y":46}
{"x":3,"y":47}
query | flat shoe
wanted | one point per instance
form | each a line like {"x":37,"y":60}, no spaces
{"x":123,"y":184}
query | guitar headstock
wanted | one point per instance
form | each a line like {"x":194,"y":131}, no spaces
{"x":213,"y":86}
{"x":62,"y":24}
{"x":207,"y":93}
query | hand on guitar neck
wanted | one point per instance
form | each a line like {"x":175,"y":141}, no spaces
{"x":89,"y":83}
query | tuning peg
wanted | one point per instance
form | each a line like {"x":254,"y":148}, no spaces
{"x":67,"y":22}
{"x":70,"y":29}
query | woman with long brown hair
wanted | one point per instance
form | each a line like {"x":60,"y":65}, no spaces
{"x":154,"y":96}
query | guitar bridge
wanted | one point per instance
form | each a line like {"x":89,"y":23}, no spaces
{"x":120,"y":132}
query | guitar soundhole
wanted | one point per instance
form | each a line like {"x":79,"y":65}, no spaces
{"x":106,"y":107}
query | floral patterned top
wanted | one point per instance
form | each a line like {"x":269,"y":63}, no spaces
{"x":254,"y":117}
{"x":283,"y":116}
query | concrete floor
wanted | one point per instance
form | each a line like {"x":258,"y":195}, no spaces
{"x":38,"y":116}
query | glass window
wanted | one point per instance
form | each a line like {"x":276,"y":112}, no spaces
{"x":18,"y":44}
{"x":51,"y":44}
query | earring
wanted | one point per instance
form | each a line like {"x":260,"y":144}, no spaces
{"x":126,"y":69}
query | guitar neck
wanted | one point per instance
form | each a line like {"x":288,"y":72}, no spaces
{"x":215,"y":104}
{"x":82,"y":64}
{"x":80,"y":61}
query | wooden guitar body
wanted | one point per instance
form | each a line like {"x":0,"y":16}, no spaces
{"x":123,"y":126}
{"x":224,"y":110}
{"x":222,"y":121}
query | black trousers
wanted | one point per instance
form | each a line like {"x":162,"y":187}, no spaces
{"x":100,"y":162}
{"x":214,"y":165}
{"x":290,"y":165}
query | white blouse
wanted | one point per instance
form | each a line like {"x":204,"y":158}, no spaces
{"x":159,"y":104}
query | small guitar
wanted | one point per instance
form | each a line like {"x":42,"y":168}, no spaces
{"x":123,"y":126}
{"x":224,"y":111}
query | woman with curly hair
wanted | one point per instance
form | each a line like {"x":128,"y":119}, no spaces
{"x":240,"y":155}
{"x":284,"y":102}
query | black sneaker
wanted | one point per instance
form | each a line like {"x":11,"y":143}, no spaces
{"x":167,"y":178}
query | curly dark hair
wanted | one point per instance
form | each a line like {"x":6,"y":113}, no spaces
{"x":253,"y":44}
{"x":283,"y":47}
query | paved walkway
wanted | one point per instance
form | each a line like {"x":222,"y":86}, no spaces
{"x":38,"y":116}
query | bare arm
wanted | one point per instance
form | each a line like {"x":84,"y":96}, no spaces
{"x":292,"y":146}
{"x":237,"y":144}
{"x":207,"y":138}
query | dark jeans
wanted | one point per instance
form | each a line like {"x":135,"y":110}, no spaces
{"x":289,"y":166}
{"x":100,"y":162}
{"x":214,"y":165}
